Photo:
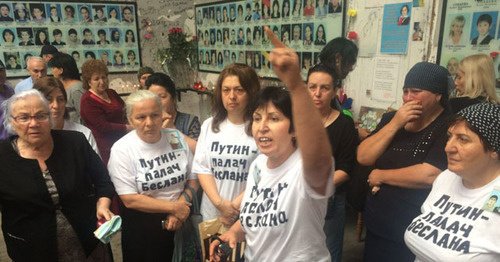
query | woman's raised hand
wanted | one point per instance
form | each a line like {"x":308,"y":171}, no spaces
{"x":285,"y":62}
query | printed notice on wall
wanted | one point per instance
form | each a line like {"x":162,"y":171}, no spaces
{"x":385,"y":78}
{"x":396,"y":28}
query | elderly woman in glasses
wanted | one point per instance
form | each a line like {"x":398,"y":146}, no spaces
{"x":53,"y":188}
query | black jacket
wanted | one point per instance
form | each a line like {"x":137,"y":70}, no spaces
{"x":28,"y":215}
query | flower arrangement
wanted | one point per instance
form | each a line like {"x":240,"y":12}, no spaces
{"x":181,"y":47}
{"x":179,"y":60}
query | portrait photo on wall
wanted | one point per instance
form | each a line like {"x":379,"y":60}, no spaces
{"x":467,"y":31}
{"x":304,"y":25}
{"x":96,"y":30}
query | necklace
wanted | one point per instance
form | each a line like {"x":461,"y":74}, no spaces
{"x":328,"y":116}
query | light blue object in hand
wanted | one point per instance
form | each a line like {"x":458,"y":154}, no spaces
{"x":108,"y":229}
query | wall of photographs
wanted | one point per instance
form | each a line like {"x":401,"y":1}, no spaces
{"x":469,"y":27}
{"x":231,"y":32}
{"x":101,"y":30}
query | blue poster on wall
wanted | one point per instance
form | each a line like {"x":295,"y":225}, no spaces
{"x":396,"y":28}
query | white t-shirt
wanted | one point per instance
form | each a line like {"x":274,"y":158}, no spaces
{"x":158,"y":170}
{"x":69,"y":125}
{"x":452,"y":226}
{"x":227,"y":156}
{"x":282,"y":216}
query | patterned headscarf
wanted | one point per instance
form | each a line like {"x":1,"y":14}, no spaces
{"x":485,"y":117}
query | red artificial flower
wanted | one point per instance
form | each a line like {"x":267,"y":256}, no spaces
{"x":171,"y":31}
{"x":494,"y":54}
{"x":352,"y":35}
{"x":194,"y":38}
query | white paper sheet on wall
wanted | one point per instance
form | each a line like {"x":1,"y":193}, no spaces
{"x":385,"y":78}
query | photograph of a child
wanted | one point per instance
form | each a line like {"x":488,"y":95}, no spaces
{"x":483,"y":27}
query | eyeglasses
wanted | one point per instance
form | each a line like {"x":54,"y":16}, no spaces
{"x":24,"y":119}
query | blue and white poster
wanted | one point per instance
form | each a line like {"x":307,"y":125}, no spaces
{"x":396,"y":28}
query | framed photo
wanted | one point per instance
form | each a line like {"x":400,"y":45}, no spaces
{"x":468,"y":27}
{"x":97,"y":30}
{"x":233,"y":31}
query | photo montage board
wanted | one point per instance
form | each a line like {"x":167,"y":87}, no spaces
{"x":97,"y":30}
{"x":468,"y":27}
{"x":230,"y":32}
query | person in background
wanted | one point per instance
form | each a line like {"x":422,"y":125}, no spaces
{"x":85,"y":14}
{"x":41,"y":38}
{"x":236,"y":84}
{"x":343,"y":141}
{"x":189,"y":125}
{"x":321,"y":7}
{"x":102,"y":108}
{"x":483,"y":26}
{"x":294,"y":173}
{"x":25,"y":36}
{"x":54,"y":14}
{"x":154,"y":207}
{"x":48,"y":52}
{"x":404,"y":19}
{"x":475,"y":82}
{"x":37,"y":68}
{"x":5,"y":13}
{"x":53,"y":90}
{"x":308,"y":7}
{"x":8,"y":37}
{"x":127,"y":15}
{"x":12,"y":62}
{"x":142,"y":74}
{"x":54,"y":189}
{"x":99,"y":14}
{"x":455,"y":36}
{"x":113,"y":15}
{"x":335,"y":6}
{"x":69,"y":12}
{"x":57,"y":34}
{"x":469,"y":184}
{"x":6,"y":92}
{"x":21,"y":14}
{"x":65,"y":69}
{"x":407,"y":153}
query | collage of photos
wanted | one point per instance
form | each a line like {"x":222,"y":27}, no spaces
{"x":106,"y":31}
{"x":234,"y":32}
{"x":468,"y":30}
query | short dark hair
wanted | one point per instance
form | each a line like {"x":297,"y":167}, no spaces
{"x":343,"y":46}
{"x":2,"y":5}
{"x":56,"y":32}
{"x":87,"y":30}
{"x":407,"y":8}
{"x":72,"y":31}
{"x":323,"y":69}
{"x":8,"y":31}
{"x":485,"y":18}
{"x":279,"y":96}
{"x":67,"y":63}
{"x":71,"y":9}
{"x":101,"y":32}
{"x":494,"y":196}
{"x":164,"y":81}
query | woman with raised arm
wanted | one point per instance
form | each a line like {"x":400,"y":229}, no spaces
{"x":224,"y":151}
{"x":284,"y":205}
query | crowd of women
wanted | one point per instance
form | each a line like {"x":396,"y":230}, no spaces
{"x":272,"y":162}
